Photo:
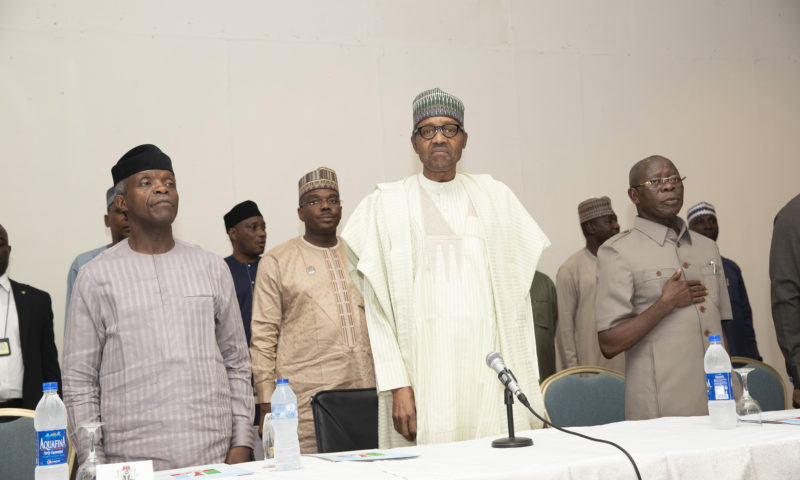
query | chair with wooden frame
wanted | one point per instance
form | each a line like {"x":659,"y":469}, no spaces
{"x":584,"y":396}
{"x":764,"y":384}
{"x":17,"y":456}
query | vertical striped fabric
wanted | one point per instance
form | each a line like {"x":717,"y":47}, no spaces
{"x":155,"y":349}
{"x":456,"y":325}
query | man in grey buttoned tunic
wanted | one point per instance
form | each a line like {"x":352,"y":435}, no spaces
{"x":660,"y":293}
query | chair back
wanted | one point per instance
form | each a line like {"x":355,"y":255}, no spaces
{"x":17,"y":455}
{"x":18,"y":439}
{"x":764,"y":384}
{"x":345,"y":419}
{"x":584,"y":396}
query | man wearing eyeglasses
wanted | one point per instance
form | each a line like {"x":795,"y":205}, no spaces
{"x":660,"y":293}
{"x":308,"y":318}
{"x":444,"y":261}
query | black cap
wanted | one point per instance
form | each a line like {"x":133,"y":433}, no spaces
{"x":139,"y":159}
{"x":246,"y":209}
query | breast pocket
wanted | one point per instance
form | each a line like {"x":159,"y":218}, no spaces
{"x":195,"y":321}
{"x":711,"y":279}
{"x":201,"y":305}
{"x":650,"y":284}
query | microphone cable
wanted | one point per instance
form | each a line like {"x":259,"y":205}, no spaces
{"x":524,"y":401}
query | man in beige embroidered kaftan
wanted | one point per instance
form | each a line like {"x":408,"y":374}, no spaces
{"x":445,"y":262}
{"x":308,"y":318}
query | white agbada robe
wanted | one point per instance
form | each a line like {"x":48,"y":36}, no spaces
{"x":455,"y":319}
{"x":438,"y":265}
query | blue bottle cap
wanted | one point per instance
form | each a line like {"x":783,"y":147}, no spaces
{"x":282,"y":381}
{"x":48,"y":386}
{"x":714,"y":338}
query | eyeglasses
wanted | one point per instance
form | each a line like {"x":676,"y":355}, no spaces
{"x":657,"y":182}
{"x":427,"y":132}
{"x":333,"y":201}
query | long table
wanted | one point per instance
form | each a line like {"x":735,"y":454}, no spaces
{"x":683,"y":448}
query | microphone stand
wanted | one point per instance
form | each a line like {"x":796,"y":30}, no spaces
{"x":510,"y":441}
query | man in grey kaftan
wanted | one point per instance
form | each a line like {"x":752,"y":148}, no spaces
{"x":155,"y":346}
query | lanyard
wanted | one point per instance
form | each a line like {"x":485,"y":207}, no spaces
{"x":8,"y":306}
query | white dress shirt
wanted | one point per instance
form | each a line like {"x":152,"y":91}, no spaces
{"x":11,"y":367}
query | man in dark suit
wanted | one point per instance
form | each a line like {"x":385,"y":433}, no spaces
{"x":784,"y":276}
{"x":28,"y":354}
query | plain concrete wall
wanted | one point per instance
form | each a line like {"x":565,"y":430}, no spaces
{"x":562,"y":97}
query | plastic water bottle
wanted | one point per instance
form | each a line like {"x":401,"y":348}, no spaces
{"x":50,"y":422}
{"x":268,"y":437}
{"x":284,"y":425}
{"x":721,"y":405}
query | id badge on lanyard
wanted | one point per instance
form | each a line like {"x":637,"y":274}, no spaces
{"x":5,"y":344}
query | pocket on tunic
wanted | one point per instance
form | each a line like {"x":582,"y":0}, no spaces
{"x":651,"y":282}
{"x":196,"y":323}
{"x":201,"y":305}
{"x":711,"y":279}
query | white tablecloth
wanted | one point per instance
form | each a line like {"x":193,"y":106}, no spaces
{"x":666,"y":448}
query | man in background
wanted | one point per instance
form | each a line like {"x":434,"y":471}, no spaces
{"x":702,"y":219}
{"x":28,"y":355}
{"x":545,"y":321}
{"x":576,"y":284}
{"x":247,"y":232}
{"x":784,"y":275}
{"x":308,"y":317}
{"x":117,"y":222}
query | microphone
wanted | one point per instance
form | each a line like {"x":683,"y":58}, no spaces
{"x":495,"y":361}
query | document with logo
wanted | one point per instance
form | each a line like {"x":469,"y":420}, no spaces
{"x":364,"y":456}
{"x":126,"y":471}
{"x":215,"y":472}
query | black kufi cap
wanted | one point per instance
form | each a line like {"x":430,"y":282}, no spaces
{"x":244,"y":210}
{"x":139,"y":159}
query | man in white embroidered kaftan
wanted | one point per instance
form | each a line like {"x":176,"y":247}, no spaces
{"x":445,"y":261}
